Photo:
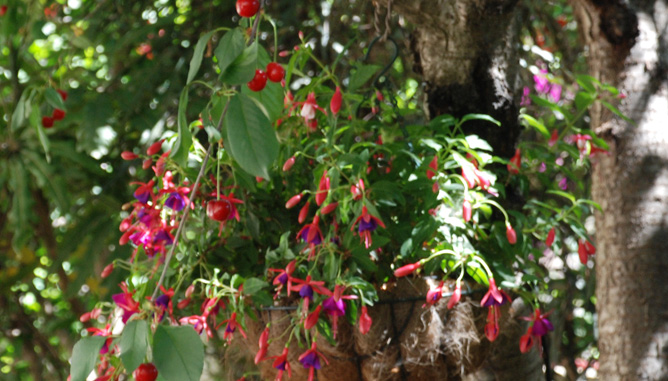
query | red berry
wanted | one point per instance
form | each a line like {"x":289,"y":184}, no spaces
{"x":47,"y":121}
{"x":63,"y":94}
{"x":146,"y":372}
{"x":58,"y":114}
{"x":259,"y":81}
{"x":248,"y":8}
{"x":218,"y":210}
{"x":3,"y":10}
{"x":275,"y":72}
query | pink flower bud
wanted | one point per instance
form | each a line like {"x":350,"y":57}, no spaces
{"x":107,"y":270}
{"x":467,"y":210}
{"x":312,"y":318}
{"x":550,"y":238}
{"x":155,"y":147}
{"x":147,"y":164}
{"x":510,"y":233}
{"x":406,"y":269}
{"x":190,"y":290}
{"x":329,"y":208}
{"x":293,"y":201}
{"x":303,"y":213}
{"x":379,"y":96}
{"x":335,"y":104}
{"x":288,"y":164}
{"x":127,"y":155}
{"x":365,"y":321}
{"x":456,"y":296}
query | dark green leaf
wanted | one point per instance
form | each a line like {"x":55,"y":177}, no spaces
{"x":184,"y":141}
{"x":230,"y":47}
{"x":361,"y":75}
{"x":21,"y":204}
{"x":45,"y":179}
{"x":134,"y":342}
{"x":251,"y":139}
{"x":196,"y":61}
{"x":21,"y":111}
{"x":243,"y":68}
{"x":54,"y":99}
{"x":84,"y":356}
{"x":253,"y":285}
{"x":485,"y":117}
{"x":178,"y":353}
{"x":35,"y":121}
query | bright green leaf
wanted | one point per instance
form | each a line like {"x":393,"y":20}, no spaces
{"x":230,"y":47}
{"x":196,"y":61}
{"x":178,"y":353}
{"x":134,"y":342}
{"x":253,"y":285}
{"x":84,"y":356}
{"x":251,"y":139}
{"x":54,"y":99}
{"x":485,"y":117}
{"x":537,"y":124}
{"x":184,"y":141}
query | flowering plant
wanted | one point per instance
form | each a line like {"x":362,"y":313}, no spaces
{"x":321,"y":194}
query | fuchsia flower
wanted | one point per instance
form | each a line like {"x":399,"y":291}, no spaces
{"x":164,"y":302}
{"x":585,"y":145}
{"x":306,"y":287}
{"x":312,"y":318}
{"x":126,"y":302}
{"x":475,"y":177}
{"x":365,"y":321}
{"x":434,"y":295}
{"x":311,"y":360}
{"x":357,"y":190}
{"x":308,"y":110}
{"x":541,"y":83}
{"x":282,"y":364}
{"x":293,"y":201}
{"x":515,"y":163}
{"x":144,"y":192}
{"x":231,"y":327}
{"x":284,"y":278}
{"x":554,"y":138}
{"x":335,"y":307}
{"x":105,"y":332}
{"x":367,"y":224}
{"x":312,"y":235}
{"x":493,"y":299}
{"x":539,"y":327}
{"x":200,"y":322}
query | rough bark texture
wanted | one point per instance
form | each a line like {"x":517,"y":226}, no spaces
{"x":628,"y":45}
{"x":466,"y":53}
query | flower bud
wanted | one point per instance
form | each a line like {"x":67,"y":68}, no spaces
{"x":107,"y":270}
{"x":406,"y":269}
{"x":467,"y":210}
{"x":293,"y":201}
{"x":510,"y":233}
{"x":329,"y":208}
{"x":335,"y":104}
{"x":127,"y":155}
{"x":288,"y":164}
{"x":550,"y":238}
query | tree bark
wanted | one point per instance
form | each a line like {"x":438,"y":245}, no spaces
{"x":628,"y":47}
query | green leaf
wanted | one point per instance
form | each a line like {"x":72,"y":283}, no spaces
{"x":538,"y":125}
{"x":54,"y":99}
{"x":45,"y":179}
{"x":178,"y":353}
{"x":242,"y":68}
{"x":253,"y":285}
{"x":271,"y":99}
{"x":21,"y":204}
{"x":35,"y":121}
{"x":477,"y":273}
{"x":361,"y":75}
{"x":184,"y":141}
{"x":84,"y":356}
{"x":196,"y":61}
{"x":251,"y":139}
{"x":21,"y":111}
{"x":230,"y":47}
{"x":485,"y":117}
{"x":134,"y":342}
{"x":617,"y":112}
{"x":562,"y":194}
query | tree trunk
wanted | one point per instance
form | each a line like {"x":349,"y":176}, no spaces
{"x":628,"y":47}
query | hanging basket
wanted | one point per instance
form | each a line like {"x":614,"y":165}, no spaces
{"x":406,"y":341}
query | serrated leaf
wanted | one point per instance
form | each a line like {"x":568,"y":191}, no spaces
{"x":53,"y":98}
{"x":251,"y":139}
{"x":253,"y":285}
{"x":134,"y":342}
{"x":361,"y":76}
{"x":242,"y":69}
{"x":178,"y":353}
{"x":196,"y":61}
{"x":84,"y":356}
{"x":230,"y":47}
{"x":184,"y":141}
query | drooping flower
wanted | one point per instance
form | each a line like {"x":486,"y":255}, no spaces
{"x":105,"y":332}
{"x":311,"y":360}
{"x":282,"y":364}
{"x":585,"y":145}
{"x":232,"y":325}
{"x":312,"y":235}
{"x":492,"y":325}
{"x":366,"y":225}
{"x":434,"y":295}
{"x":493,"y":299}
{"x":164,"y":303}
{"x":308,"y":110}
{"x":515,"y":163}
{"x":144,"y":192}
{"x":335,"y":103}
{"x":284,"y":278}
{"x":323,"y":189}
{"x":511,"y":234}
{"x":357,"y":190}
{"x":585,"y":249}
{"x":312,"y":318}
{"x":539,"y":327}
{"x":335,"y":307}
{"x":126,"y":302}
{"x":365,"y":321}
{"x":175,"y":202}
